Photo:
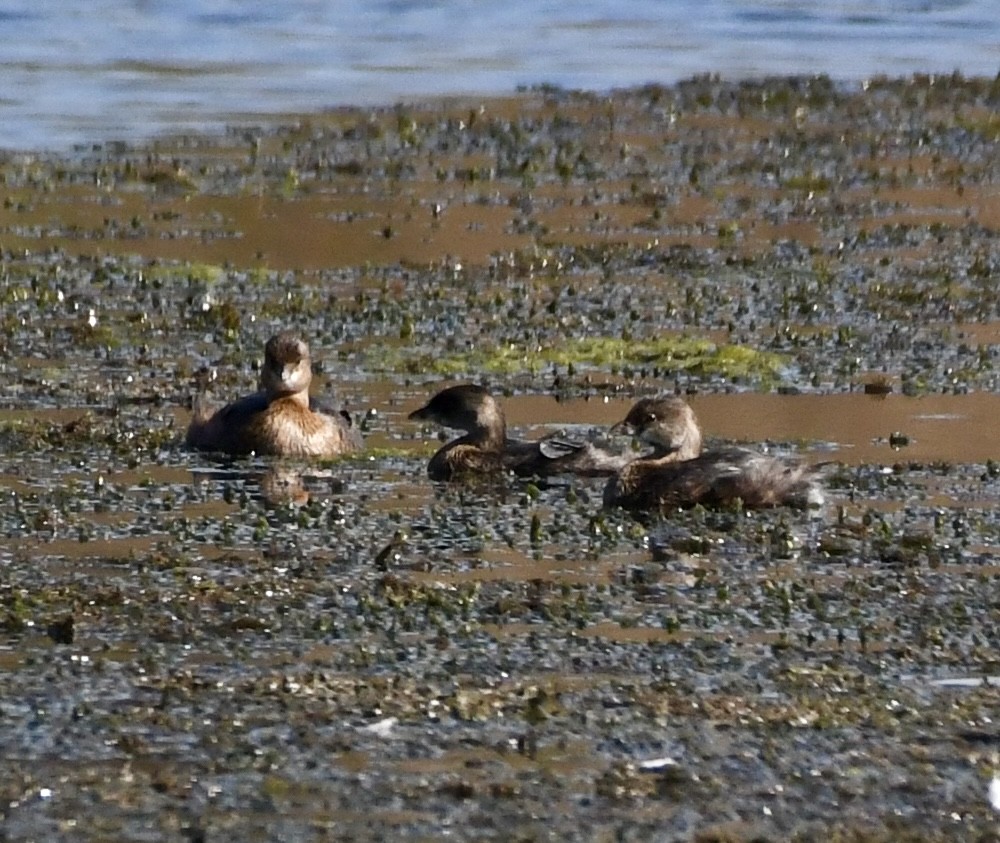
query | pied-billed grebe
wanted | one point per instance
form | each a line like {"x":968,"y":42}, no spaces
{"x":485,"y":448}
{"x":675,"y":474}
{"x":279,"y":419}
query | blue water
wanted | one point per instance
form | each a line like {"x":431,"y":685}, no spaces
{"x":76,"y":71}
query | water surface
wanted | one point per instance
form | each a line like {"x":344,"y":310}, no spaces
{"x":106,"y":70}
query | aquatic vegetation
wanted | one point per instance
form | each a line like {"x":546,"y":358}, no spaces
{"x":666,"y":355}
{"x":492,"y":651}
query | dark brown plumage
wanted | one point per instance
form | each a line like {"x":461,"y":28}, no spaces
{"x":676,"y":474}
{"x":485,"y":448}
{"x":279,"y":419}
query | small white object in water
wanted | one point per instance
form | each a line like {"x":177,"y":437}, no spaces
{"x":382,"y":728}
{"x":654,"y":765}
{"x":994,"y":793}
{"x":966,"y":682}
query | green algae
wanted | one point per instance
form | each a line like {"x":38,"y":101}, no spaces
{"x":193,"y":273}
{"x":673,"y":354}
{"x":807,"y":183}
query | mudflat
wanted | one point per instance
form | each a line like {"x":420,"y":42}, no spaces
{"x":259,"y":649}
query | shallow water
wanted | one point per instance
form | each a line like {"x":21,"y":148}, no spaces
{"x":850,"y":428}
{"x":106,"y":71}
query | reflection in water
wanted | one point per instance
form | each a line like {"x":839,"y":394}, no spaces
{"x":281,"y":485}
{"x":277,"y":484}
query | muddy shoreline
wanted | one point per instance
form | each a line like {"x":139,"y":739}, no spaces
{"x":185,"y":656}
